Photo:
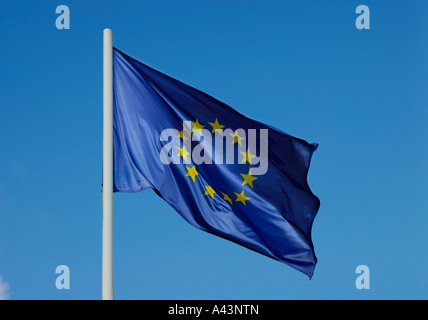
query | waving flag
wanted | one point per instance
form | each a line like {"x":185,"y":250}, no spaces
{"x":221,"y":171}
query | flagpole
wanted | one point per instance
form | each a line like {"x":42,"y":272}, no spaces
{"x":107,"y":194}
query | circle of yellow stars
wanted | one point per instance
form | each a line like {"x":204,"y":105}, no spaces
{"x":247,"y":156}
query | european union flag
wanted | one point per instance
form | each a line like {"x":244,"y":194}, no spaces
{"x":222,"y":172}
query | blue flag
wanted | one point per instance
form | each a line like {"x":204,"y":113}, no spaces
{"x":222,"y":172}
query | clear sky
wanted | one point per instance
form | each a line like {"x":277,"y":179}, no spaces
{"x":301,"y":66}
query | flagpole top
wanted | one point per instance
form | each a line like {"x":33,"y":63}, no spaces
{"x":108,"y":32}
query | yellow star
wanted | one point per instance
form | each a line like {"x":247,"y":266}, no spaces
{"x":248,"y":178}
{"x":247,"y":157}
{"x":197,"y":127}
{"x":237,"y":138}
{"x":181,"y":135}
{"x":183,"y":153}
{"x":226,"y":197}
{"x":191,"y":172}
{"x":241,"y":197}
{"x":209,"y":191}
{"x":216,"y":126}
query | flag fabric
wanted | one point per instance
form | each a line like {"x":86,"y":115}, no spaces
{"x":222,"y":172}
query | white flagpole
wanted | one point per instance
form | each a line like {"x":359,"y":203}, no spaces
{"x":107,"y":194}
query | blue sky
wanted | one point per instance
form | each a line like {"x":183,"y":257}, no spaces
{"x":301,"y":66}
